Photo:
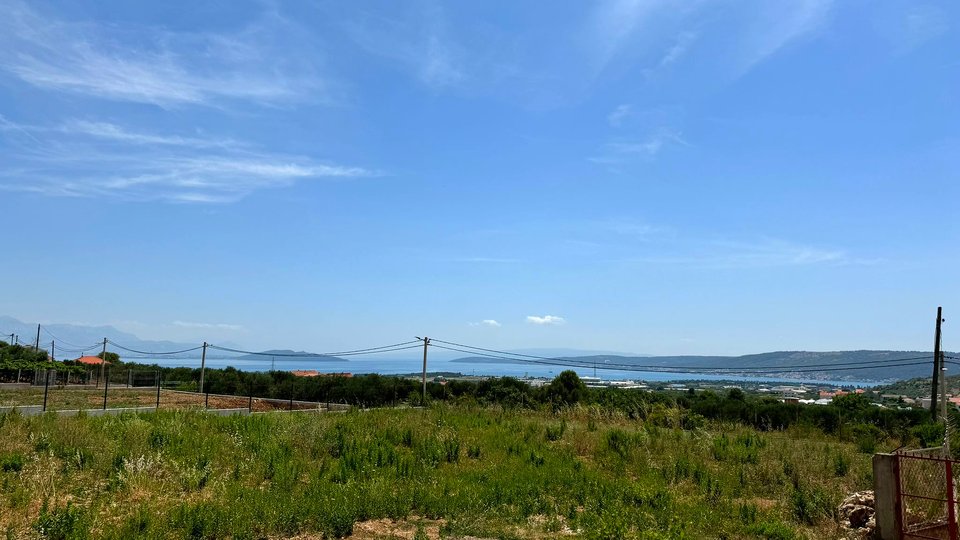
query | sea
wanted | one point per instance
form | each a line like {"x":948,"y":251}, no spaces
{"x":383,"y":366}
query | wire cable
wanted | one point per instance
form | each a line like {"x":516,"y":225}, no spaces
{"x":588,"y":363}
{"x":679,"y":369}
{"x":371,"y":350}
{"x":55,"y":338}
{"x":153,"y":353}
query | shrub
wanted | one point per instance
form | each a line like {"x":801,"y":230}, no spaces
{"x":451,"y":449}
{"x":555,"y":433}
{"x":12,"y":463}
{"x":619,"y":442}
{"x":67,"y":523}
{"x":772,"y":530}
{"x":810,"y":505}
{"x":473,"y":451}
{"x":841,"y":465}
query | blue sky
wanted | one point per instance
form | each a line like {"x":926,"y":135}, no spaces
{"x":703,"y":177}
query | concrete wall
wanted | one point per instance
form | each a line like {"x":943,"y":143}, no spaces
{"x":885,"y":497}
{"x":25,"y":410}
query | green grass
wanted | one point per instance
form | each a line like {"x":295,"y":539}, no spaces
{"x":481,"y":472}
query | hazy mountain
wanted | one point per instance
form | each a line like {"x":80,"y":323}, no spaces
{"x":71,"y":338}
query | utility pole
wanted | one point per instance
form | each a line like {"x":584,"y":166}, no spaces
{"x":37,"y":347}
{"x":53,"y":350}
{"x":203,"y":364}
{"x":936,"y":365}
{"x":426,"y":344}
{"x":103,"y":363}
{"x":943,"y":406}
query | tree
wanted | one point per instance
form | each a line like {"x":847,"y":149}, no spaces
{"x":112,"y":357}
{"x":566,"y":389}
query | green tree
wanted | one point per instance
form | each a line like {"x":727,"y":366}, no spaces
{"x":112,"y":357}
{"x":566,"y":389}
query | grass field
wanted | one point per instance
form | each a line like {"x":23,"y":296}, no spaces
{"x":71,"y":399}
{"x":443,"y":471}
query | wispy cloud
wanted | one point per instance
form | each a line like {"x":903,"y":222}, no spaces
{"x":546,"y":320}
{"x":614,"y":22}
{"x":209,"y":326}
{"x":419,"y":43}
{"x":762,"y":253}
{"x":157,"y":66}
{"x":618,"y":115}
{"x":657,"y":34}
{"x":773,"y":25}
{"x":683,"y":42}
{"x":487,"y":322}
{"x":90,"y":159}
{"x":621,"y":152}
{"x":106,"y":130}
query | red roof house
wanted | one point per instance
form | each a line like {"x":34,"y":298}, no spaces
{"x":90,"y":360}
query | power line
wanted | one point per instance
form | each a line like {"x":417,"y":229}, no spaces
{"x":58,"y":340}
{"x":371,"y":350}
{"x":153,"y":353}
{"x":679,"y":369}
{"x":504,"y":355}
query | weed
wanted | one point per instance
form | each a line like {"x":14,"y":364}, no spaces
{"x":67,"y":523}
{"x":12,"y":463}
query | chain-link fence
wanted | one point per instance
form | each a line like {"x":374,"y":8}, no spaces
{"x":120,"y":389}
{"x":926,"y":484}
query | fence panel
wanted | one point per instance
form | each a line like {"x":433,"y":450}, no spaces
{"x":926,"y":491}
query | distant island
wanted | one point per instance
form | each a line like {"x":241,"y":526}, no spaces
{"x":287,"y":354}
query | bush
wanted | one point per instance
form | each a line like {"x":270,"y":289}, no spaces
{"x":12,"y":463}
{"x":810,"y":505}
{"x":67,"y":523}
{"x":555,"y":433}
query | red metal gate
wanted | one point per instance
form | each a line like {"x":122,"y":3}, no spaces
{"x":926,"y":495}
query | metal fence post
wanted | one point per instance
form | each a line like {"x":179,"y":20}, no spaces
{"x":46,"y":389}
{"x":158,"y":389}
{"x":106,"y":386}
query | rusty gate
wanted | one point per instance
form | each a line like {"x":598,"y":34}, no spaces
{"x":927,"y":495}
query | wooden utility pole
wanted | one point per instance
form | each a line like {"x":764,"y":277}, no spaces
{"x":37,"y":347}
{"x":426,"y":343}
{"x":936,"y":364}
{"x":103,"y":363}
{"x":203,"y":364}
{"x":53,"y":350}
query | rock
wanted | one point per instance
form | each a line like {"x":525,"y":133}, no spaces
{"x":857,"y":513}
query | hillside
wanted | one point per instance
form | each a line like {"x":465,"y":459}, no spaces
{"x":918,"y":387}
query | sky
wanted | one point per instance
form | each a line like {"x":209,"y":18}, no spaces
{"x":701,"y":177}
